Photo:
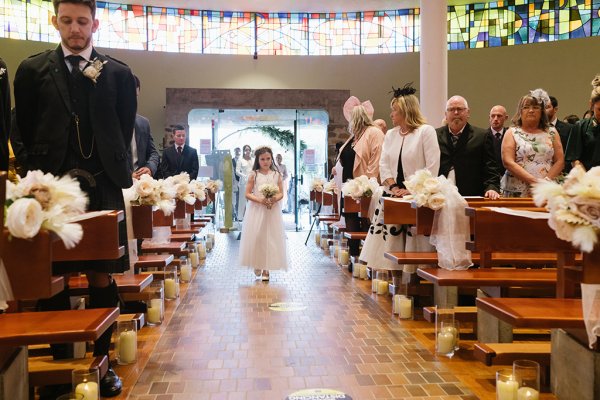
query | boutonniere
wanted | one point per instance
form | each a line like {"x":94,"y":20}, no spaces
{"x":2,"y":72}
{"x":92,"y":71}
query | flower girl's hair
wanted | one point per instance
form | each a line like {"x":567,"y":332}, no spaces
{"x":262,"y":150}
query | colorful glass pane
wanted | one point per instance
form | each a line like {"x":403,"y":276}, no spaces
{"x":334,"y":34}
{"x":282,"y":34}
{"x":386,"y":32}
{"x":13,"y":22}
{"x":39,"y":22}
{"x":228,"y":32}
{"x":122,"y":26}
{"x":174,"y":30}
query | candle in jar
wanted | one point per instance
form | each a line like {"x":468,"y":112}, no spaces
{"x":194,"y":259}
{"x":454,"y":332}
{"x":363,"y":271}
{"x":186,"y":273}
{"x":127,"y":347}
{"x":170,"y":288}
{"x":344,"y":257}
{"x":445,"y":342}
{"x":155,"y":311}
{"x":318,"y":238}
{"x":374,"y":283}
{"x":382,"y":287}
{"x":506,"y":390}
{"x":89,"y":390}
{"x":324,"y":243}
{"x":405,"y":307}
{"x":336,"y":251}
{"x":356,"y":270}
{"x":527,"y":393}
{"x":201,"y":250}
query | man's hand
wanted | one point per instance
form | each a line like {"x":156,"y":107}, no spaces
{"x":141,"y":171}
{"x":399,"y":192}
{"x":492,"y":195}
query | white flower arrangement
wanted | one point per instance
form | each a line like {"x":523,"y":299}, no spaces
{"x":92,"y":71}
{"x":43,"y":201}
{"x":331,"y":187}
{"x":183,"y":190}
{"x":151,"y":192}
{"x":268,"y":190}
{"x":425,"y":190}
{"x":214,"y":186}
{"x":360,"y":187}
{"x":317,"y":184}
{"x":198,"y":189}
{"x":574,"y":206}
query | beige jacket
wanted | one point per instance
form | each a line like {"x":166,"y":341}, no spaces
{"x":368,"y":152}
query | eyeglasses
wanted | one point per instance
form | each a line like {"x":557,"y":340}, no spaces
{"x":456,"y":109}
{"x":532,"y":108}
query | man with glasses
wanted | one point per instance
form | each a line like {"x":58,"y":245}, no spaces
{"x":467,"y":153}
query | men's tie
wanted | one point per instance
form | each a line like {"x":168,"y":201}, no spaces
{"x":454,"y":139}
{"x":179,"y":150}
{"x":74,"y":61}
{"x":498,"y":136}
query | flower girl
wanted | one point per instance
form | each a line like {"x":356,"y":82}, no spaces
{"x":263,"y":237}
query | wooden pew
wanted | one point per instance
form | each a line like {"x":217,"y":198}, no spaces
{"x":177,"y":249}
{"x":78,"y":285}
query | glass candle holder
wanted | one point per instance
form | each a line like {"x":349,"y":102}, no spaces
{"x":506,"y":385}
{"x":70,"y":396}
{"x":324,"y":243}
{"x":356,"y":270}
{"x":155,"y":307}
{"x":445,"y":331}
{"x":382,"y":277}
{"x":210,"y":238}
{"x":171,"y":282}
{"x":344,"y":254}
{"x":331,"y":252}
{"x":527,"y":375}
{"x":403,"y":306}
{"x":85,"y":383}
{"x":318,"y":237}
{"x":185,"y":270}
{"x":363,"y":272}
{"x":201,"y":249}
{"x":126,"y":342}
{"x":193,"y":254}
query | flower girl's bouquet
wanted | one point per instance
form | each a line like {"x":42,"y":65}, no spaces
{"x":574,"y":206}
{"x":43,"y":201}
{"x":360,"y":187}
{"x":269,"y":191}
{"x":425,"y":190}
{"x":317,"y":184}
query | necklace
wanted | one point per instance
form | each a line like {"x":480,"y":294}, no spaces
{"x":404,"y":132}
{"x":79,"y":140}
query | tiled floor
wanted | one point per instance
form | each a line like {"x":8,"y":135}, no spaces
{"x":225,"y":343}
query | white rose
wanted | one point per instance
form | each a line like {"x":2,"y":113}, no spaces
{"x":431,"y":185}
{"x":24,"y":218}
{"x":589,"y":209}
{"x":145,"y":188}
{"x":436,"y":201}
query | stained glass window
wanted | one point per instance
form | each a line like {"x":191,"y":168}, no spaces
{"x":333,"y":34}
{"x":596,"y":19}
{"x":174,"y":30}
{"x":228,"y":32}
{"x":39,"y":22}
{"x":282,"y":34}
{"x":385,"y":32}
{"x":13,"y":23}
{"x":122,"y":26}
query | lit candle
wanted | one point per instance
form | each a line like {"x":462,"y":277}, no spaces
{"x":363,"y":271}
{"x":170,"y":288}
{"x":405,"y":307}
{"x":527,"y":393}
{"x":155,"y":311}
{"x":318,"y":238}
{"x":356,"y":270}
{"x":89,"y":390}
{"x":201,"y":250}
{"x":382,"y":287}
{"x":344,"y":257}
{"x":506,"y":390}
{"x":194,"y":259}
{"x":186,"y":272}
{"x":445,"y":342}
{"x":374,"y":283}
{"x":127,"y":347}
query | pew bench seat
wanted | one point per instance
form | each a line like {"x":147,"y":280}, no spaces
{"x":182,"y":237}
{"x":175,"y":248}
{"x":327,"y":218}
{"x":461,"y":314}
{"x":355,"y":235}
{"x":78,"y":285}
{"x":153,"y":261}
{"x":43,"y":370}
{"x":500,"y":258}
{"x":506,"y":353}
{"x":502,"y":277}
{"x":535,"y":313}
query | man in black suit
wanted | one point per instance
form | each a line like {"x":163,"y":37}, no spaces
{"x":75,"y":115}
{"x":143,"y":155}
{"x":180,"y":157}
{"x":498,"y":117}
{"x":563,"y":128}
{"x":467,"y":153}
{"x":4,"y":115}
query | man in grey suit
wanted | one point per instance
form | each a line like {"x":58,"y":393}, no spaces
{"x":143,"y":155}
{"x":75,"y":112}
{"x":467,"y":153}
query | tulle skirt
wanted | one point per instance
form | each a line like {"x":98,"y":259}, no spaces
{"x":263,"y":243}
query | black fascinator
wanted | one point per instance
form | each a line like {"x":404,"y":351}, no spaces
{"x":406,"y":90}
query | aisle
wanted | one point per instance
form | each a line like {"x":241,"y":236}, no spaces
{"x":225,"y":343}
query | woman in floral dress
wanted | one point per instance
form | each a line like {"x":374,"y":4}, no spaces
{"x":531,"y":150}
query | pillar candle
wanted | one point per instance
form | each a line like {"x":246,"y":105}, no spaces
{"x":527,"y":393}
{"x":318,"y":238}
{"x":336,"y":251}
{"x":506,"y":390}
{"x":324,"y":243}
{"x":170,"y":289}
{"x":89,"y":390}
{"x":374,"y":283}
{"x":155,"y":311}
{"x":201,"y":262}
{"x":186,"y":272}
{"x":382,"y":287}
{"x":356,"y":270}
{"x":445,"y":342}
{"x":201,"y":250}
{"x":405,"y":307}
{"x":344,"y":257}
{"x":363,"y":271}
{"x":194,"y":259}
{"x":127,"y":347}
{"x":454,"y":333}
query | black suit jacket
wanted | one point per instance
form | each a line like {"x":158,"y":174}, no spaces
{"x":44,"y":113}
{"x":497,"y":148}
{"x":4,"y":115}
{"x":171,"y":164}
{"x":146,"y":151}
{"x":473,"y":160}
{"x":564,"y":130}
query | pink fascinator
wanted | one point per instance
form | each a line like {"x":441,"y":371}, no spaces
{"x":353,"y":102}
